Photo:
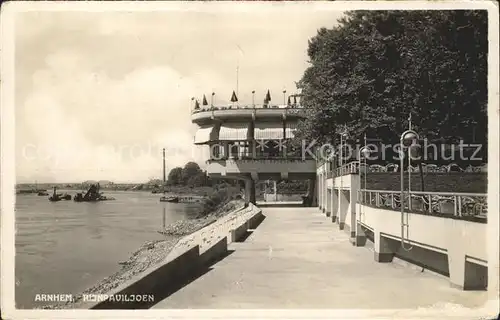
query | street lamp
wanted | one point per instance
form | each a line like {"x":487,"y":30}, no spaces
{"x":284,"y":99}
{"x":343,"y":135}
{"x":408,"y":140}
{"x":253,"y":98}
{"x":363,"y":153}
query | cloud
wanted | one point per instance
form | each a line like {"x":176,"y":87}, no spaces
{"x":98,"y":95}
{"x":83,"y":124}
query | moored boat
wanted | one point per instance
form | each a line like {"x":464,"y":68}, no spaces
{"x":92,"y":195}
{"x":169,"y":199}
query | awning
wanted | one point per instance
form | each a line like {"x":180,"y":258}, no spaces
{"x":268,"y":131}
{"x":234,"y":132}
{"x":205,"y":134}
{"x":290,"y":129}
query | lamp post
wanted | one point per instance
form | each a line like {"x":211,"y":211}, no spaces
{"x":253,"y":98}
{"x":364,"y":153}
{"x":284,"y":98}
{"x":343,"y":135}
{"x":407,"y":140}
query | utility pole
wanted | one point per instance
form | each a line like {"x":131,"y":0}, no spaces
{"x":164,"y":173}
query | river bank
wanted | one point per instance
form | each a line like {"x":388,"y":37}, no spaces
{"x":152,"y":253}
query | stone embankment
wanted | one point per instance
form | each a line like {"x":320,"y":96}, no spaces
{"x":163,"y":266}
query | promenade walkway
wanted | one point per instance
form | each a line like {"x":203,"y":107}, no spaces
{"x":298,"y":259}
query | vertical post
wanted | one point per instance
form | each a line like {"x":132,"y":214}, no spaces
{"x":409,"y":178}
{"x":164,"y":218}
{"x":366,"y":164}
{"x":402,"y":186}
{"x":409,"y":166}
{"x":275,"y":191}
{"x":237,"y":78}
{"x":164,"y":173}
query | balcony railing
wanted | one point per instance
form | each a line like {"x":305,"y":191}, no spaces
{"x":349,"y":168}
{"x":436,"y":203}
{"x":261,"y":158}
{"x":247,"y":107}
{"x":354,"y":168}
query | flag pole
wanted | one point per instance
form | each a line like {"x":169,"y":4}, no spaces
{"x":237,"y":77}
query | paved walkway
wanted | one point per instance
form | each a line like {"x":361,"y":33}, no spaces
{"x":298,"y":259}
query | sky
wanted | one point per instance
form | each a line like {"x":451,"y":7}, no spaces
{"x":99,"y":94}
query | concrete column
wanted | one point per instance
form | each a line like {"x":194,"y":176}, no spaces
{"x":319,"y":191}
{"x":335,"y":204}
{"x":325,"y":193}
{"x":464,"y":275}
{"x":226,"y":150}
{"x":343,"y":208}
{"x":328,"y":202}
{"x":314,"y":193}
{"x":384,"y":248}
{"x":250,"y":191}
{"x":360,"y":236}
{"x":492,"y":236}
{"x":353,"y":204}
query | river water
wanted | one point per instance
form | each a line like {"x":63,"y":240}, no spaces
{"x":66,"y":247}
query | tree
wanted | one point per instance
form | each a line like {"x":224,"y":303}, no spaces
{"x":190,"y":170}
{"x":175,"y":176}
{"x":376,"y":67}
{"x":199,"y":180}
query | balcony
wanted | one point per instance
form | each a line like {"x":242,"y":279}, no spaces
{"x":208,"y":114}
{"x":264,"y":167}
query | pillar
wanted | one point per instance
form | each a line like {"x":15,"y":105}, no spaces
{"x":313,"y":193}
{"x":359,"y":233}
{"x":353,"y":197}
{"x":359,"y":236}
{"x":492,"y":236}
{"x":317,"y":188}
{"x":324,"y":190}
{"x":335,"y":204}
{"x":328,"y":202}
{"x":319,"y":191}
{"x":250,"y":191}
{"x":464,"y":275}
{"x":343,"y":208}
{"x":384,"y":248}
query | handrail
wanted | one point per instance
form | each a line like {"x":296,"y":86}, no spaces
{"x":427,"y":168}
{"x":444,"y":203}
{"x":282,"y":159}
{"x":349,"y":168}
{"x":463,"y":194}
{"x":246,"y":107}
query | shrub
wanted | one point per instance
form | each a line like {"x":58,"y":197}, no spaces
{"x":218,"y":198}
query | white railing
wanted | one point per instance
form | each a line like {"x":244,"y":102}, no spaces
{"x":354,"y":168}
{"x":246,"y":106}
{"x":349,"y":168}
{"x":442,"y":203}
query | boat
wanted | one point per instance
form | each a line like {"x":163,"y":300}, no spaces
{"x":59,"y":196}
{"x":43,"y":193}
{"x":66,"y":196}
{"x":169,"y":199}
{"x":92,"y":195}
